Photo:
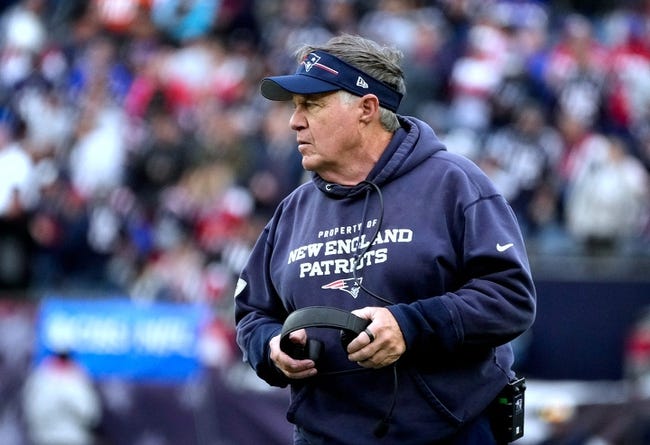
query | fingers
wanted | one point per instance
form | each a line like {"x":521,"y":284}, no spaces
{"x":292,"y":368}
{"x":381,"y":343}
{"x":368,"y":351}
{"x":295,"y":369}
{"x":378,"y":360}
{"x":298,"y":369}
{"x":368,"y":332}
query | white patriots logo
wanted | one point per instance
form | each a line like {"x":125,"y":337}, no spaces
{"x":311,"y":60}
{"x":349,"y":285}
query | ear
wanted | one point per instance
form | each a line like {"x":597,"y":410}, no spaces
{"x":369,"y":106}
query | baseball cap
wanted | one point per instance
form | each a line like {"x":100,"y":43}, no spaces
{"x":321,"y":72}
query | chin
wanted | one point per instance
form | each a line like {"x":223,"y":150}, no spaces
{"x":307,"y":165}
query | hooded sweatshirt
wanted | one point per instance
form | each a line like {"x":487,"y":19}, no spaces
{"x":428,"y":236}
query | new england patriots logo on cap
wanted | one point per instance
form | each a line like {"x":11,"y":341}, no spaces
{"x":349,"y":285}
{"x":311,"y":60}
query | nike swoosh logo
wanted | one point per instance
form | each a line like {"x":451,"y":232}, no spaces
{"x":503,"y":248}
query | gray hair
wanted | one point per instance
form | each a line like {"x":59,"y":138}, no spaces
{"x":380,"y":62}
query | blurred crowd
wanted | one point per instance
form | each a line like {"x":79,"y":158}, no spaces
{"x":137,"y":156}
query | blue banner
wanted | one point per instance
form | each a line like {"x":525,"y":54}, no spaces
{"x":122,"y":338}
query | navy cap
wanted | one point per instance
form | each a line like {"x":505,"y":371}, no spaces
{"x":321,"y":72}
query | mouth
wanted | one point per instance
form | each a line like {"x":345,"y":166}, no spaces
{"x":303,"y":144}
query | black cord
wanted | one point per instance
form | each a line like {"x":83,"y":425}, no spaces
{"x":382,"y":427}
{"x":384,"y":424}
{"x":360,"y":256}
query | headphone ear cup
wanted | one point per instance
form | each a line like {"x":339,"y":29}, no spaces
{"x":346,"y":337}
{"x":314,"y":348}
{"x":311,"y":350}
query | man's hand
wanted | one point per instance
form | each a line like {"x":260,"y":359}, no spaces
{"x":292,"y":368}
{"x":385,"y":348}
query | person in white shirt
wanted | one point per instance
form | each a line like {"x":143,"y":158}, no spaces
{"x":61,"y":404}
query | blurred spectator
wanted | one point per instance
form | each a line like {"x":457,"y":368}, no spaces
{"x":525,"y":25}
{"x":185,"y":20}
{"x":63,"y":257}
{"x":16,"y":343}
{"x":17,"y":197}
{"x":576,"y":71}
{"x":628,"y":94}
{"x":636,"y":366}
{"x":187,"y":74}
{"x":476,"y":76}
{"x":38,"y":104}
{"x":97,"y":69}
{"x":16,"y":170}
{"x":577,"y":138}
{"x":160,"y":160}
{"x":180,"y":255}
{"x":124,"y":17}
{"x":98,"y":152}
{"x":608,"y":200}
{"x":23,"y":36}
{"x":61,"y":404}
{"x":521,"y":157}
{"x":277,"y":161}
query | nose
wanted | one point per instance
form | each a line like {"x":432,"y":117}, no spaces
{"x":297,"y":120}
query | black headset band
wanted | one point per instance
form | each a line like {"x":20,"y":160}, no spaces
{"x":323,"y":317}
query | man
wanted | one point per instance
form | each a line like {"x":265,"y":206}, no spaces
{"x":61,"y":404}
{"x":400,"y":232}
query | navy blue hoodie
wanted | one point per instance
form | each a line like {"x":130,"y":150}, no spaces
{"x":447,"y":259}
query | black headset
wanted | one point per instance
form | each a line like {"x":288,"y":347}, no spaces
{"x":329,"y":317}
{"x":323,"y":317}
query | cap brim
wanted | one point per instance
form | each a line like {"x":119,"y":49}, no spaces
{"x":284,"y":87}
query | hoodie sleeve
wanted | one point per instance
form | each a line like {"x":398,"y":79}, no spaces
{"x":259,"y":313}
{"x":495,"y":300}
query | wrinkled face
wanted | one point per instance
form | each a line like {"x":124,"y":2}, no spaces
{"x":327,"y":132}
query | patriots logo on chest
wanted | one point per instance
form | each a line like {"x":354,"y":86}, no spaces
{"x":349,"y":285}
